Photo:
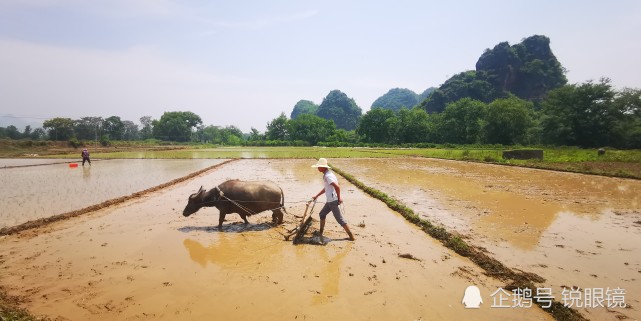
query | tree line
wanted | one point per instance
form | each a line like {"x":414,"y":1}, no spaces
{"x":175,"y":126}
{"x":590,"y":114}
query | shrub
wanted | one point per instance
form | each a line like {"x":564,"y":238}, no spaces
{"x":74,"y":142}
{"x":104,"y":140}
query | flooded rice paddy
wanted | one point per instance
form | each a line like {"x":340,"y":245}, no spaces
{"x":143,"y":260}
{"x":574,"y":230}
{"x":34,"y":192}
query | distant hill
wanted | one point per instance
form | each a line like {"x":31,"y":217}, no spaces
{"x":397,"y":98}
{"x":426,"y":93}
{"x":304,"y":107}
{"x":336,"y":106}
{"x":528,"y":70}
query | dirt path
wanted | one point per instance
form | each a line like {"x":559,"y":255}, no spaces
{"x":142,"y":260}
{"x":575,"y":230}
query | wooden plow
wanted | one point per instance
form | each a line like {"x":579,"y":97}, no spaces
{"x":299,"y":231}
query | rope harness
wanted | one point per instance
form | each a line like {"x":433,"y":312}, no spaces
{"x":224,"y":198}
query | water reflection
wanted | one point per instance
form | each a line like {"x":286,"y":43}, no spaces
{"x":200,"y":254}
{"x":241,"y":252}
{"x":331,"y":274}
{"x":86,"y":172}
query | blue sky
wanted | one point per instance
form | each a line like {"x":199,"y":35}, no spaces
{"x":242,"y":63}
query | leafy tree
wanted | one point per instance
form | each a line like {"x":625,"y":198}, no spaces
{"x":277,"y":128}
{"x":209,"y":134}
{"x":628,"y":101}
{"x":462,"y":121}
{"x":88,"y":128}
{"x":341,"y":109}
{"x":255,"y":135}
{"x":176,"y":126}
{"x":13,"y":132}
{"x":374,"y":127}
{"x":341,"y":135}
{"x":410,"y":126}
{"x":396,"y":98}
{"x":508,"y":121}
{"x":38,"y":134}
{"x":27,"y":132}
{"x":130,"y":131}
{"x":304,"y":107}
{"x":59,"y":129}
{"x":583,"y":115}
{"x":310,"y":128}
{"x":231,"y":135}
{"x":104,"y":140}
{"x":146,"y":132}
{"x":114,"y":128}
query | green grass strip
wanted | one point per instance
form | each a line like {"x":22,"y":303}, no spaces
{"x":10,"y":311}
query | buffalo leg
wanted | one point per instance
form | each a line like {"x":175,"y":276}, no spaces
{"x":221,"y":219}
{"x":244,"y":217}
{"x":277,"y":214}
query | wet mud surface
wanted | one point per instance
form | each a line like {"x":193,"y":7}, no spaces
{"x":574,"y":230}
{"x":35,"y":192}
{"x":142,"y":260}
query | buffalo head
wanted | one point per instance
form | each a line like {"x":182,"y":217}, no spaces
{"x":195,"y":202}
{"x":202,"y":198}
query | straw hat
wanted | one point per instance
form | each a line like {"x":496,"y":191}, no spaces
{"x":321,"y":163}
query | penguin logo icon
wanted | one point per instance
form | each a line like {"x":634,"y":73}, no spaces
{"x":472,"y":298}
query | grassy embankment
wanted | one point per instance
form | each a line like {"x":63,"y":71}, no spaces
{"x":616,"y":163}
{"x":27,"y":148}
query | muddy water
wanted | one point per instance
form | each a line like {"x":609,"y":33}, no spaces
{"x":29,"y":193}
{"x":143,"y":260}
{"x":574,"y":230}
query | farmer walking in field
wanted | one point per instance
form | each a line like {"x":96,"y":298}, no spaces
{"x":85,"y":157}
{"x":333,"y":194}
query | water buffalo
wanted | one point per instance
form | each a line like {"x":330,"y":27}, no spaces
{"x":244,"y":198}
